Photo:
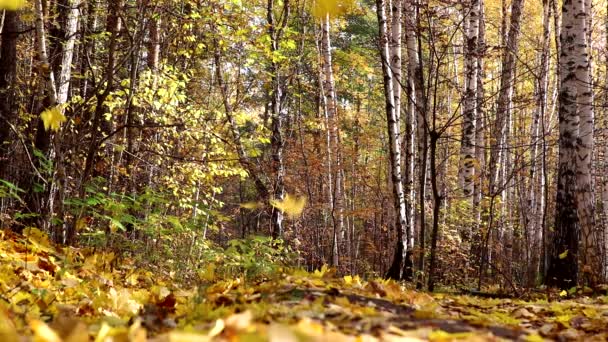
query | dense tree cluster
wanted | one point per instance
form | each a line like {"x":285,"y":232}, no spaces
{"x":455,"y":142}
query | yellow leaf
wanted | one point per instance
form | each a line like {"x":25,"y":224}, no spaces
{"x":7,"y":328}
{"x":136,"y":332}
{"x":563,"y":293}
{"x":564,"y":254}
{"x":121,"y":302}
{"x":333,"y":8}
{"x":320,"y":273}
{"x":310,"y":327}
{"x":534,"y":338}
{"x":217,"y":328}
{"x":251,"y":205}
{"x":104,"y":332}
{"x":38,"y":237}
{"x":208,"y":273}
{"x":440,"y":335}
{"x":52,"y":118}
{"x":280,"y":333}
{"x":11,"y":5}
{"x":81,"y":223}
{"x":240,"y":321}
{"x":348,"y":280}
{"x":43,"y":333}
{"x":177,"y":336}
{"x":290,"y":205}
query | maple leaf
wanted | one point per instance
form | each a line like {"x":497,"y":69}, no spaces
{"x":11,"y":5}
{"x":290,"y":205}
{"x":333,"y":8}
{"x":52,"y":118}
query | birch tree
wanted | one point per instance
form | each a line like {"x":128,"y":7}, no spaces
{"x":535,"y":198}
{"x":503,"y":104}
{"x":390,"y":58}
{"x":467,"y":147}
{"x":277,"y":94}
{"x":574,"y":216}
{"x":585,"y":195}
{"x":418,"y":103}
{"x":333,"y":156}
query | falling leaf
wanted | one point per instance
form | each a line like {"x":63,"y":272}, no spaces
{"x":11,"y":5}
{"x":104,"y":332}
{"x":251,"y":205}
{"x":333,"y":8}
{"x":121,"y":302}
{"x":53,"y":118}
{"x":280,"y":333}
{"x":217,"y":328}
{"x":43,"y":333}
{"x":534,"y":338}
{"x":178,"y":336}
{"x":290,"y":205}
{"x":7,"y":328}
{"x":240,"y":321}
{"x":564,"y":254}
{"x":563,"y":293}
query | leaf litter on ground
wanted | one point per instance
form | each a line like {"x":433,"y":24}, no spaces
{"x":53,"y":294}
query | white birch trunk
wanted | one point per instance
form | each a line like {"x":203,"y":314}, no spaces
{"x":480,"y":124}
{"x":43,"y":53}
{"x":65,"y":73}
{"x":333,"y":140}
{"x":419,"y":103}
{"x":394,"y":138}
{"x":504,"y":97}
{"x":563,"y":269}
{"x":467,"y":148}
{"x":590,"y":238}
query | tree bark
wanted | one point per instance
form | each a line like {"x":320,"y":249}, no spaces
{"x":392,"y":91}
{"x":8,"y":87}
{"x":585,"y":195}
{"x":333,"y":138}
{"x":467,"y":148}
{"x":535,"y":198}
{"x":277,"y":107}
{"x":503,"y":103}
{"x":563,"y":263}
{"x":416,"y":74}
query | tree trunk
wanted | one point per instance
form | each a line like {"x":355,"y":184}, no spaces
{"x":277,"y":94}
{"x":585,"y":196}
{"x":436,"y":208}
{"x":563,"y":267}
{"x":333,"y":138}
{"x":414,"y":54}
{"x":392,"y":91}
{"x":8,"y":87}
{"x":535,"y":201}
{"x":467,"y":150}
{"x":504,"y":97}
{"x":499,"y":165}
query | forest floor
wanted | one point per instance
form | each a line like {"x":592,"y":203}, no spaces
{"x":66,"y":294}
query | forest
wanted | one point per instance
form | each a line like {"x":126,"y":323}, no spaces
{"x":303,"y":170}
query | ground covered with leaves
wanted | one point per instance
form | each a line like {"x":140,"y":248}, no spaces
{"x":54,"y":294}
